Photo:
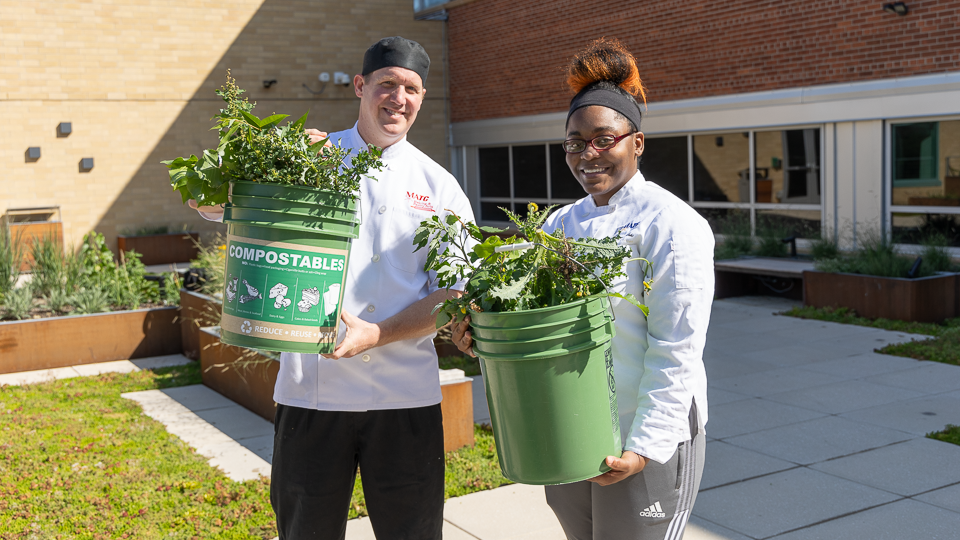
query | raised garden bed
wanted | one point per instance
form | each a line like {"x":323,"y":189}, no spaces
{"x":56,"y":342}
{"x":929,"y":299}
{"x":248,"y":378}
{"x":162,"y":248}
{"x":196,"y":311}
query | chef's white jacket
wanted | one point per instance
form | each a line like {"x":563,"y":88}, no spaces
{"x":658,"y":361}
{"x":384,"y":276}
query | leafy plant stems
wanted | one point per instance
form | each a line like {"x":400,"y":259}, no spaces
{"x":261,"y":150}
{"x":539,"y":270}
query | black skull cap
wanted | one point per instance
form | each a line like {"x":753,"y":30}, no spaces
{"x":397,"y":51}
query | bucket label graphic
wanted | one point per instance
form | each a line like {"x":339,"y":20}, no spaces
{"x":612,"y":386}
{"x":282,"y":291}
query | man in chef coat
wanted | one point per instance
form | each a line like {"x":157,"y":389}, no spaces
{"x":375,"y":401}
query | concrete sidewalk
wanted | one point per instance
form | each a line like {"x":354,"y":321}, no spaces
{"x":811,"y":435}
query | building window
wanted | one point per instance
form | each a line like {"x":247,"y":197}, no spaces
{"x":915,"y":154}
{"x":925,"y":176}
{"x":512,"y":176}
{"x":761,"y":182}
{"x":664,"y":162}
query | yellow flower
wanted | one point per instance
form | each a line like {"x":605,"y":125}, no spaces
{"x":647,"y":285}
{"x":532,"y":207}
{"x":222,"y":248}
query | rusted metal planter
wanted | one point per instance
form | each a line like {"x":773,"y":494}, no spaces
{"x":248,"y":378}
{"x":162,"y":248}
{"x":196,"y":311}
{"x":56,"y":342}
{"x":929,"y":299}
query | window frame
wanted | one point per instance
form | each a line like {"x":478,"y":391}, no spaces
{"x":513,"y":199}
{"x":889,"y":209}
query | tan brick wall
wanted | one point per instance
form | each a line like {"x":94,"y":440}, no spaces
{"x":136,"y":80}
{"x":507,"y":56}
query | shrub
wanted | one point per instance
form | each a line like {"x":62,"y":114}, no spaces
{"x":935,"y":255}
{"x":48,"y":265}
{"x":90,"y":299}
{"x":875,"y":257}
{"x":18,"y":302}
{"x":212,"y":260}
{"x":11,"y":255}
{"x":824,"y":248}
{"x":58,"y":300}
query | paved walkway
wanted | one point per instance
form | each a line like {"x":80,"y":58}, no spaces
{"x":811,"y":435}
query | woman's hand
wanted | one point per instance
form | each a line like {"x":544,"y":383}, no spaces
{"x":461,"y":336}
{"x":626,"y":466}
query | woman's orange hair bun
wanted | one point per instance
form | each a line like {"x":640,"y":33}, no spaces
{"x":606,"y":60}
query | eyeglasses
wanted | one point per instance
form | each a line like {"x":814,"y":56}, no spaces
{"x":600,"y":144}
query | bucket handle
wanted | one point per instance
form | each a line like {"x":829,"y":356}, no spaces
{"x":523,"y":246}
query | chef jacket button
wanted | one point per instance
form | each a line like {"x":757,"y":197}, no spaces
{"x":366,"y":358}
{"x":383,"y":209}
{"x":375,"y":258}
{"x":371,"y":308}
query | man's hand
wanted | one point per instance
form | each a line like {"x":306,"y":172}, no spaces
{"x":206,"y":209}
{"x":461,"y":336}
{"x":361,"y":336}
{"x":316,"y":136}
{"x":626,"y":466}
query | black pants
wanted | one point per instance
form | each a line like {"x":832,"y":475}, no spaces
{"x":315,"y":459}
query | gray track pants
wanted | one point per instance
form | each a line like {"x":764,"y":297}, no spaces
{"x":654,"y":504}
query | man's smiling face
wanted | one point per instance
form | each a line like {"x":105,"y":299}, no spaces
{"x":390,"y":99}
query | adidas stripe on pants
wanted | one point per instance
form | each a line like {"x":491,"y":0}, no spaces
{"x":652,"y":505}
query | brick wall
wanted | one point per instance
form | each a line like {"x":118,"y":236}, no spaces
{"x":136,"y":79}
{"x":507,"y":56}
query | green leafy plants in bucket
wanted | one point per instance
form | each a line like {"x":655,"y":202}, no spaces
{"x":290,"y":210}
{"x":542,"y":330}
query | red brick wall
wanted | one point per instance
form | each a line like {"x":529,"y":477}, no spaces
{"x":507,"y":56}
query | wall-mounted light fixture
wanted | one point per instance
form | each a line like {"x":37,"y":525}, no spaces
{"x":32,"y":154}
{"x":86,"y":164}
{"x":267,"y":83}
{"x":719,"y":141}
{"x":900,"y":8}
{"x":341,"y":78}
{"x":64,"y":129}
{"x":324,"y":78}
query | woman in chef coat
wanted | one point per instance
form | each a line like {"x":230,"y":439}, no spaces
{"x":658,"y":360}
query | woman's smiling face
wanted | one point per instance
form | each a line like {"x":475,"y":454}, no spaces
{"x":602,"y":174}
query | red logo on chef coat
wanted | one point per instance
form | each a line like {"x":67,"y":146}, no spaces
{"x":420,"y":202}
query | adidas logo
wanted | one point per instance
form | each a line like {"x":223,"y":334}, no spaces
{"x":653,"y":511}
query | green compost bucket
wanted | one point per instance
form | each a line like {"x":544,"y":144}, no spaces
{"x":554,"y":412}
{"x":287,"y":254}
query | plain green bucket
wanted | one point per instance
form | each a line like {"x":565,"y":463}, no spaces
{"x":543,"y":344}
{"x":286,"y":265}
{"x":554,"y":414}
{"x":551,"y":393}
{"x":552,"y":329}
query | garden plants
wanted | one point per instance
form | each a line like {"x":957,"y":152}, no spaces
{"x":290,"y":214}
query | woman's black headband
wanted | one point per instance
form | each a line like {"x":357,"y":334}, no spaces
{"x":605,"y":97}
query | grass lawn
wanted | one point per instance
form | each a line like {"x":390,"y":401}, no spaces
{"x":950,"y":434}
{"x":78,"y":461}
{"x":470,"y":366}
{"x":943,"y":347}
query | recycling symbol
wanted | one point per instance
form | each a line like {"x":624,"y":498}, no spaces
{"x":246,"y":327}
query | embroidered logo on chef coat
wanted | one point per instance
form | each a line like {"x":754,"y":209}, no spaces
{"x":626,"y":229}
{"x":420,"y":202}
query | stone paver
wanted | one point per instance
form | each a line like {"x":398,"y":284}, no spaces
{"x":902,"y":520}
{"x":917,"y":416}
{"x":749,"y":415}
{"x":818,"y":440}
{"x":726,"y":464}
{"x":785,"y":501}
{"x":909,"y":468}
